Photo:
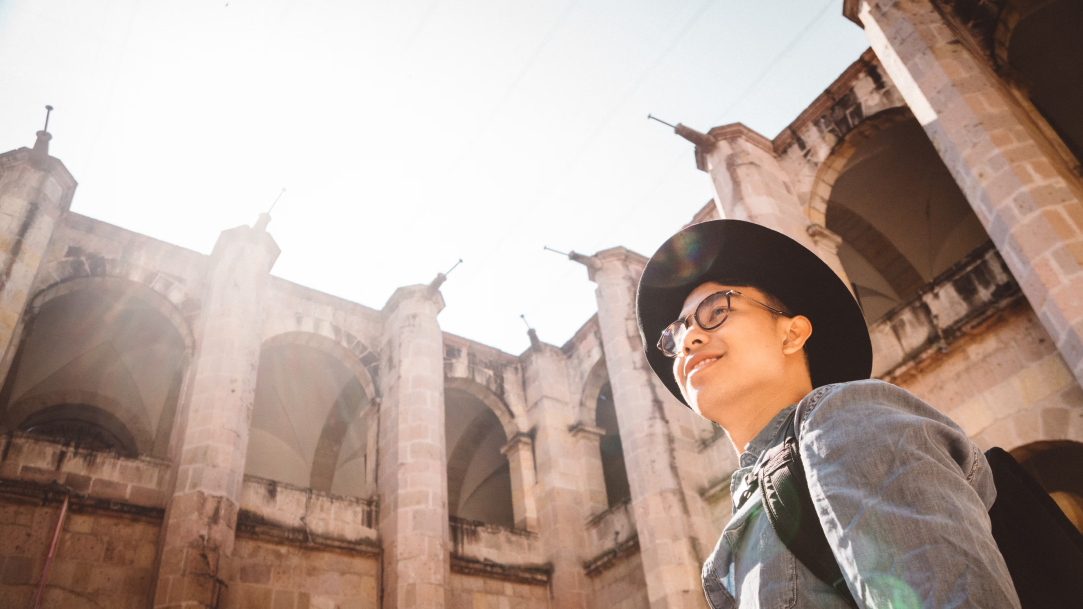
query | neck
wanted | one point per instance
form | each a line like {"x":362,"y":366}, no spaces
{"x":756,"y":409}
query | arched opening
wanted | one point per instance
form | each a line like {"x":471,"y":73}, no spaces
{"x":901,"y":216}
{"x":1046,"y":51}
{"x":101,"y":366}
{"x":311,"y":424}
{"x":613,"y":468}
{"x":478,"y":474}
{"x":1057,"y":466}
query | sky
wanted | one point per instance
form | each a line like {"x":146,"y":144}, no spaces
{"x":410,"y":134}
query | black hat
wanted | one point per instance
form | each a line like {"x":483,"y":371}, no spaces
{"x":734,"y":252}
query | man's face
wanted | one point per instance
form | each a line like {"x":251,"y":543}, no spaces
{"x":715,"y":367}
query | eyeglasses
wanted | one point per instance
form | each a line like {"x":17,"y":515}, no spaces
{"x":710,"y":313}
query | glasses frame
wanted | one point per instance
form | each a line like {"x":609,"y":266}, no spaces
{"x":683,"y":322}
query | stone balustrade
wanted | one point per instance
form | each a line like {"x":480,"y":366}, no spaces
{"x":962,"y":297}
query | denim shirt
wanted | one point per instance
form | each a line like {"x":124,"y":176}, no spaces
{"x":902,"y":494}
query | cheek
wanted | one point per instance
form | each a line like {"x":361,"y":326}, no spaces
{"x":678,"y":365}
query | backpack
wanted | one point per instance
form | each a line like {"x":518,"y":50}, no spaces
{"x":1041,"y":547}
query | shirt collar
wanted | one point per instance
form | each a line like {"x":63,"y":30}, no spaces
{"x":764,"y":439}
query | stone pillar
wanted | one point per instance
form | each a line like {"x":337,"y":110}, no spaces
{"x":750,"y":184}
{"x":35,"y":191}
{"x":562,"y":512}
{"x":520,"y":453}
{"x":1018,"y":186}
{"x":670,"y":550}
{"x":201,"y":518}
{"x":588,"y":444}
{"x":412,"y":479}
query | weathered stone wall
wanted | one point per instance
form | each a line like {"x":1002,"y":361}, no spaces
{"x":1004,"y":383}
{"x":622,"y":584}
{"x":273,"y":574}
{"x":104,"y":558}
{"x":810,"y":148}
{"x":473,"y":592}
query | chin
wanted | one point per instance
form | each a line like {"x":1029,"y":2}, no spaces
{"x":708,"y":404}
{"x":710,"y":401}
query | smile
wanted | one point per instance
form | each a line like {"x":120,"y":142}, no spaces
{"x":703,"y":363}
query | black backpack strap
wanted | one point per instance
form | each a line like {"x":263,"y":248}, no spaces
{"x":789,"y":507}
{"x":1041,"y":547}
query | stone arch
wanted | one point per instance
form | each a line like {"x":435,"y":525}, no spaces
{"x":1049,"y":424}
{"x":80,"y":264}
{"x":592,"y":385}
{"x":513,"y":425}
{"x":135,"y":425}
{"x":1056,"y":466}
{"x":832,"y":165}
{"x":1049,"y":91}
{"x":129,"y":294}
{"x":156,"y":299}
{"x":306,"y":325}
{"x":902,"y":219}
{"x":480,"y":436}
{"x":354,"y":401}
{"x":1011,"y":14}
{"x":345,"y":347}
{"x":459,"y":458}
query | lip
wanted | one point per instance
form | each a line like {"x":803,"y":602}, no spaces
{"x":696,"y":359}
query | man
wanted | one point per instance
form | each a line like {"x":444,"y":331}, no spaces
{"x":743,"y":324}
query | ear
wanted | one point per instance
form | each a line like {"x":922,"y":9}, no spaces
{"x":797,"y":332}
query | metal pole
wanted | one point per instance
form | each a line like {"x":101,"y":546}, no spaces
{"x":52,"y":553}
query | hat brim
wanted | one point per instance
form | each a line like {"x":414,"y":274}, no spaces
{"x":738,"y":252}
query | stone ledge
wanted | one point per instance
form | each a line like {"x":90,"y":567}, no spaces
{"x":42,"y":494}
{"x":278,"y":509}
{"x":96,"y":474}
{"x":609,"y":559}
{"x":252,"y":526}
{"x":535,"y":575}
{"x":604,"y":530}
{"x":492,"y":544}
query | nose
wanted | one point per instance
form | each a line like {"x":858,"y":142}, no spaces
{"x":692,"y":335}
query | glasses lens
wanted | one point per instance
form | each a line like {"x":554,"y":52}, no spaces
{"x":713,"y":310}
{"x":670,"y":338}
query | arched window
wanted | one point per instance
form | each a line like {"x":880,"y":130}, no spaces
{"x":613,"y":468}
{"x":901,"y":216}
{"x":1057,"y":467}
{"x":311,"y":424}
{"x":478,"y":474}
{"x":1046,"y":52}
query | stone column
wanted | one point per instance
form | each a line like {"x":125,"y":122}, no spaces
{"x":201,"y":518}
{"x":588,"y":444}
{"x":670,"y":550}
{"x":562,"y":502}
{"x":520,"y":453}
{"x":750,"y":184}
{"x":35,"y":191}
{"x":412,"y":478}
{"x":1018,"y":186}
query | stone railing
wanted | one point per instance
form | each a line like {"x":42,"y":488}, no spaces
{"x":497,"y":552}
{"x":33,"y":465}
{"x":610,"y":535}
{"x":283,"y":511}
{"x":970,"y":292}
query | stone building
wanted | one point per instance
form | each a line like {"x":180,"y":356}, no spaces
{"x":225,"y":438}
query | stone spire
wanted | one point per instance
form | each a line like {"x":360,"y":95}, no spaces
{"x":41,"y":146}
